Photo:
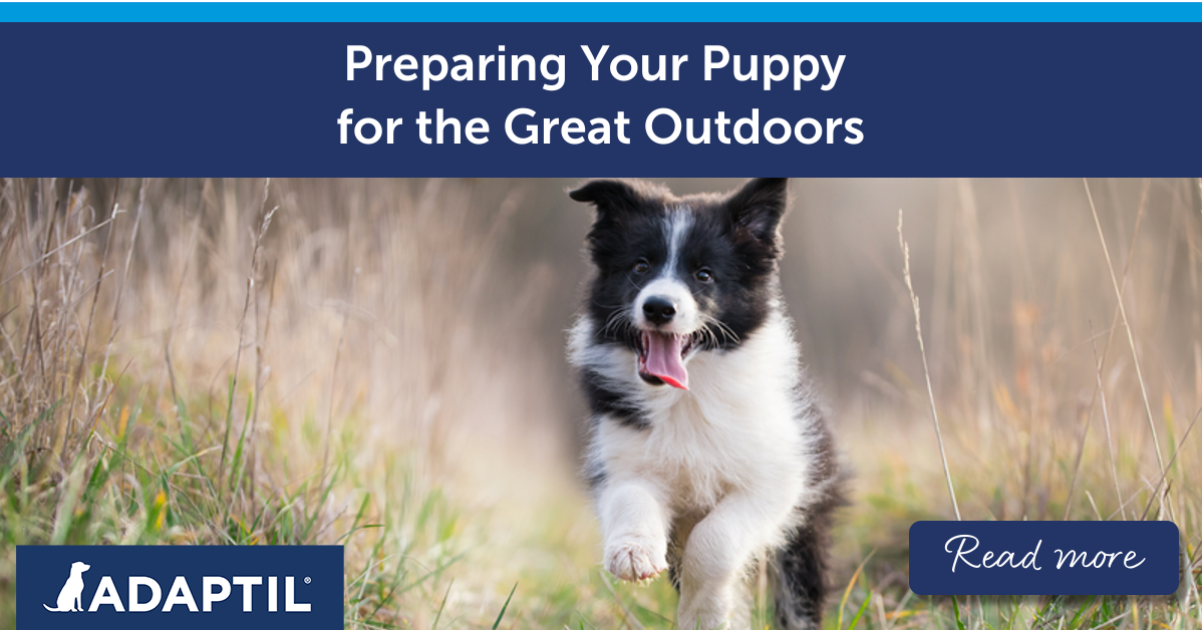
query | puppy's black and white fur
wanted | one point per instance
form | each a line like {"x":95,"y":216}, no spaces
{"x":708,"y":450}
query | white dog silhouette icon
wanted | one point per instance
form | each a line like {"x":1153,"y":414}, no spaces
{"x":70,"y":598}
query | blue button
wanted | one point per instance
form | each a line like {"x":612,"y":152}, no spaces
{"x":1043,"y":558}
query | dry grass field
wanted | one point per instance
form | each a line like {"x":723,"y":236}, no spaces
{"x":379,"y":364}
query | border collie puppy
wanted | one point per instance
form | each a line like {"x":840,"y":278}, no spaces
{"x":708,"y":450}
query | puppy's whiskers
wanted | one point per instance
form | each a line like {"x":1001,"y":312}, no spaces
{"x":616,"y":323}
{"x":712,"y":324}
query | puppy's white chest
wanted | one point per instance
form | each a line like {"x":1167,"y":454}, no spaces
{"x":700,"y":449}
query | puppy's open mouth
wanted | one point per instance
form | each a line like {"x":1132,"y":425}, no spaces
{"x":661,"y":358}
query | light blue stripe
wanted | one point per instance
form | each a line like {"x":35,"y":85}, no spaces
{"x":604,"y":12}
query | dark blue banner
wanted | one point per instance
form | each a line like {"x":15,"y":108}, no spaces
{"x":181,"y":588}
{"x":1043,"y":558}
{"x":832,"y":99}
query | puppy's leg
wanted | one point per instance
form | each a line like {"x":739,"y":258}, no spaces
{"x":635,"y":524}
{"x":718,"y":550}
{"x":801,"y":577}
{"x":682,"y":526}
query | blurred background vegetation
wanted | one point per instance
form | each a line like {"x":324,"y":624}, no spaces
{"x":379,"y":363}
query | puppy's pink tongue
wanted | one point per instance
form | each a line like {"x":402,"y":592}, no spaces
{"x":664,"y":360}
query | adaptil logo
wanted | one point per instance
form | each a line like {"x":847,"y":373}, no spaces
{"x":145,"y":593}
{"x":201,"y":587}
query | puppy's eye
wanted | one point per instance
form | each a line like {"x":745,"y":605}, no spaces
{"x":704,"y":275}
{"x":642,"y":266}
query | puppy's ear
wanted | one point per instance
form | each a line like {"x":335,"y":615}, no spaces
{"x":613,"y":198}
{"x":759,"y":207}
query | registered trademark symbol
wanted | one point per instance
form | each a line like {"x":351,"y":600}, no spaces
{"x":308,"y":580}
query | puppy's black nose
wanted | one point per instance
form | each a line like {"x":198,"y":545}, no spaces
{"x":658,"y":310}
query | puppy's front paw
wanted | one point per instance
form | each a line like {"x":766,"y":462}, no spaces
{"x":635,"y":559}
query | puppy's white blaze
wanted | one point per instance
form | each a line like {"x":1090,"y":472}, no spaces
{"x":687,"y":318}
{"x":678,"y":222}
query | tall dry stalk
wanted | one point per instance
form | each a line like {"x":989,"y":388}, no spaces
{"x":947,"y":473}
{"x":1143,"y":389}
{"x":257,"y":247}
{"x":1101,"y":392}
{"x":1101,"y":362}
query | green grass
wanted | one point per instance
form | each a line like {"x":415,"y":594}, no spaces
{"x":152,"y":474}
{"x":146,"y":476}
